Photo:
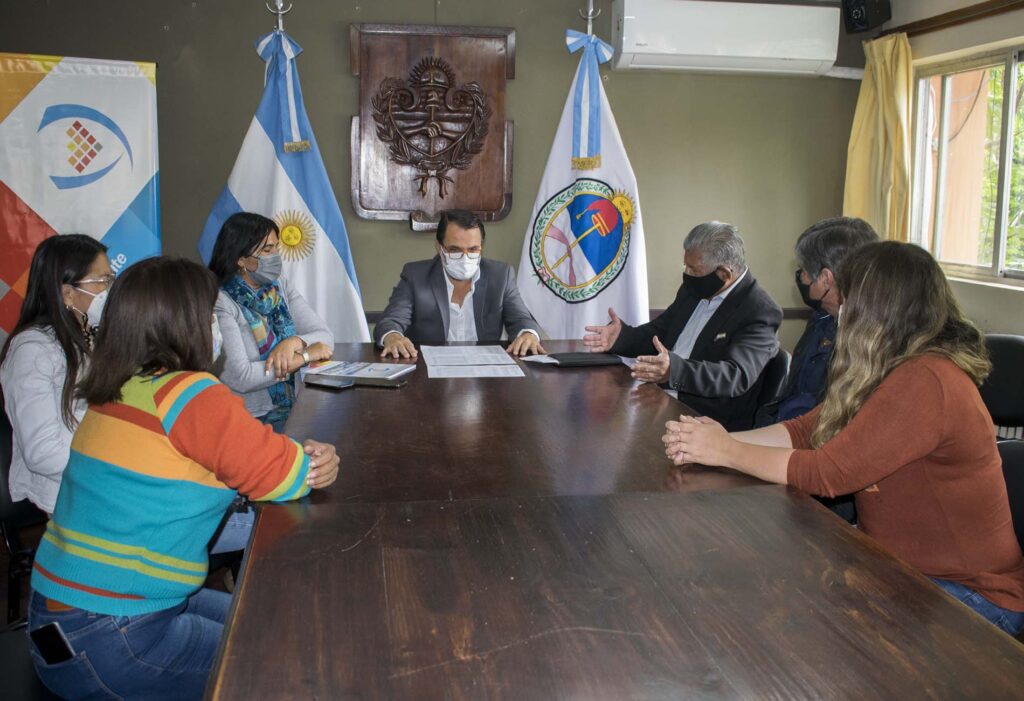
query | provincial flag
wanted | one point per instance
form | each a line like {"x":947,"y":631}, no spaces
{"x":279,"y":173}
{"x":584,"y":250}
{"x":78,"y":155}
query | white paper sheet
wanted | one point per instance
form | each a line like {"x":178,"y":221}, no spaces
{"x":513,"y":370}
{"x":546,"y":359}
{"x":465,"y":355}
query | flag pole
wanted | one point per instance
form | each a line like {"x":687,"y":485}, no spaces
{"x":281,"y":11}
{"x":590,"y":15}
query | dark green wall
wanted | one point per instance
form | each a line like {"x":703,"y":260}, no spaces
{"x":765,"y":153}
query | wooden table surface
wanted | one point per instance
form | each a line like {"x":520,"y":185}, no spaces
{"x":743,"y":593}
{"x":513,"y":539}
{"x":557,"y":431}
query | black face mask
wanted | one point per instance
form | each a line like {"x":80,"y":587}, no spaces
{"x":805,"y":294}
{"x":706,"y":286}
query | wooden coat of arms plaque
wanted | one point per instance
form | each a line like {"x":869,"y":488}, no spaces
{"x":431,"y":132}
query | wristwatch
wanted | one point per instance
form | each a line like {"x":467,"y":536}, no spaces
{"x":304,"y":352}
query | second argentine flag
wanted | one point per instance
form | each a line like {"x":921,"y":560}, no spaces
{"x":584,"y":251}
{"x":280,"y":174}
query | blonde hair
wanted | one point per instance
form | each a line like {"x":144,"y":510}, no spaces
{"x":897,"y":306}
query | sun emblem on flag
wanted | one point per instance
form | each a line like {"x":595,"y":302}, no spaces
{"x":624,"y":204}
{"x":580,"y":239}
{"x":298,"y":234}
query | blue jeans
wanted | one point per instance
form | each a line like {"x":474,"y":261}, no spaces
{"x":162,"y":655}
{"x":235,"y":533}
{"x":1006,"y":620}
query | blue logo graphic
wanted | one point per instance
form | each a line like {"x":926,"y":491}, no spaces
{"x":83,"y":145}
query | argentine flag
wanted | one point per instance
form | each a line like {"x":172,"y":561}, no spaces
{"x":280,"y":174}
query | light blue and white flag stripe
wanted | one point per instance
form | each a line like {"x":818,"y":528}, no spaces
{"x":586,"y":100}
{"x":279,"y":173}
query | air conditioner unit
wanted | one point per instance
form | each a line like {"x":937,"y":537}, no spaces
{"x":725,"y":37}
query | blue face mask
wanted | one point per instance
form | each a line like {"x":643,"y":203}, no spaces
{"x":218,"y":339}
{"x":268,"y":269}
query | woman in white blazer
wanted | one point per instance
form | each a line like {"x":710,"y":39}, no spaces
{"x":44,"y":357}
{"x":269,"y":329}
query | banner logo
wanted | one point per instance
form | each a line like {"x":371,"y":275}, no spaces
{"x":88,"y":134}
{"x":580,"y":239}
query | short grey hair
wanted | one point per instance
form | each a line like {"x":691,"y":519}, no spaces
{"x":827,"y":243}
{"x":720,"y":245}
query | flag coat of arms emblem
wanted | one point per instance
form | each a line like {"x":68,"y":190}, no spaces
{"x":78,"y":154}
{"x":279,"y":173}
{"x":584,"y":251}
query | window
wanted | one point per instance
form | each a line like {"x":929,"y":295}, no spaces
{"x":968,"y":205}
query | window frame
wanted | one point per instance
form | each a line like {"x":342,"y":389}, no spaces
{"x":1012,"y":61}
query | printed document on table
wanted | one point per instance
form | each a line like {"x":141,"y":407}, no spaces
{"x":465,"y":355}
{"x":513,"y":370}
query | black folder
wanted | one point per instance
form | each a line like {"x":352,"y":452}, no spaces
{"x":580,"y":360}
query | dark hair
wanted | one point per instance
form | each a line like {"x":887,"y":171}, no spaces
{"x":57,"y":261}
{"x":825,"y":244}
{"x":462,"y":218}
{"x":156,"y":320}
{"x":239,"y":237}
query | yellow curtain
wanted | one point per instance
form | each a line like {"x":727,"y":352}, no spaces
{"x":878,"y":157}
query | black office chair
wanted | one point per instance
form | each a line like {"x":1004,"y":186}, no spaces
{"x":1003,"y":391}
{"x":14,"y":516}
{"x":775,"y":374}
{"x":1012,"y":453}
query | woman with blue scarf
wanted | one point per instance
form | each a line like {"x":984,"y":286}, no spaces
{"x":269,"y":330}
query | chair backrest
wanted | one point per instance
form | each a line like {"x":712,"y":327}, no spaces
{"x":775,"y":374}
{"x":1003,"y":391}
{"x":1012,"y":453}
{"x":13,"y":515}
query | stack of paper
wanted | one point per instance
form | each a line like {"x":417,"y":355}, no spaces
{"x":469,"y":361}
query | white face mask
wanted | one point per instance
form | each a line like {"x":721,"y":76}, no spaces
{"x":95,"y":312}
{"x":218,"y":339}
{"x":462,"y":269}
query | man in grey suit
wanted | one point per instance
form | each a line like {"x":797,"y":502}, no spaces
{"x":456,"y":296}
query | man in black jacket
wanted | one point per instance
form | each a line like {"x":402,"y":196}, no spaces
{"x":712,"y":344}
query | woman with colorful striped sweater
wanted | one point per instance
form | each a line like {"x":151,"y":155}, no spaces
{"x":160,"y":454}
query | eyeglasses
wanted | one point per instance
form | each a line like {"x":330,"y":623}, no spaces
{"x":105,"y":280}
{"x":457,"y":255}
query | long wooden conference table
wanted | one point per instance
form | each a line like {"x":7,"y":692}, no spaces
{"x":526,"y":538}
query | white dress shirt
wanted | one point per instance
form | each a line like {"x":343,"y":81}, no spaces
{"x":706,"y":308}
{"x":461,"y":322}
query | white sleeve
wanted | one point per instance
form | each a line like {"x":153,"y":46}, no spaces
{"x":33,"y":381}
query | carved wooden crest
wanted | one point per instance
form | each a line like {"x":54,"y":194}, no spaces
{"x":431,"y":132}
{"x":430,"y":122}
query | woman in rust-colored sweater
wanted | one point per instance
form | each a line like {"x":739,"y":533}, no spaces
{"x":902,"y":427}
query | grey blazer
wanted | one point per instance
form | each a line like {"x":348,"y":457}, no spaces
{"x":243,"y":369}
{"x":418,"y":307}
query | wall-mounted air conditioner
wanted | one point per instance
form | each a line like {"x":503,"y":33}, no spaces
{"x":725,"y":37}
